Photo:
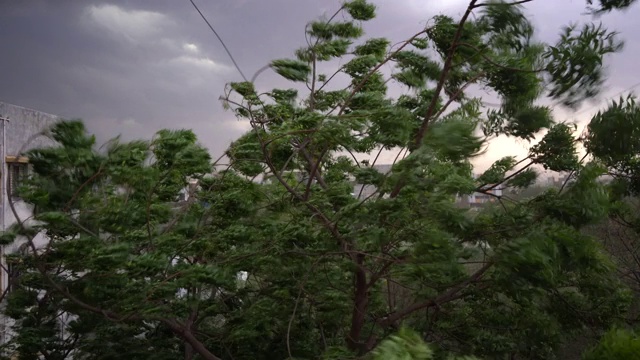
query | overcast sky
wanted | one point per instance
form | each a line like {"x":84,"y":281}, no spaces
{"x":133,"y":67}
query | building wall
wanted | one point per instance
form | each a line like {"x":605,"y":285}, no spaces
{"x":23,"y":127}
{"x":362,"y":192}
{"x":23,"y":131}
{"x":477,"y":199}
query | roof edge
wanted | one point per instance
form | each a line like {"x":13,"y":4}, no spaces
{"x":30,"y":109}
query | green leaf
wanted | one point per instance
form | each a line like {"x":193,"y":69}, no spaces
{"x":360,"y":9}
{"x":291,"y":69}
{"x":376,"y":47}
{"x":575,"y":63}
{"x":557,"y":149}
{"x":496,"y":173}
{"x":245,"y":89}
{"x":615,"y":344}
{"x":524,"y":179}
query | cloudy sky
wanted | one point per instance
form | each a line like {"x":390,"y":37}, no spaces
{"x":133,"y":67}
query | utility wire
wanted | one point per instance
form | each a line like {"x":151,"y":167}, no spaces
{"x":586,"y":127}
{"x":219,"y":38}
{"x":609,"y":99}
{"x":485,"y":103}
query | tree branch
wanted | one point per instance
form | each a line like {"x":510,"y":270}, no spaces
{"x":364,"y":80}
{"x":191,"y":339}
{"x":504,"y":3}
{"x":443,"y":76}
{"x":494,"y":63}
{"x":434,"y":101}
{"x":449,"y":295}
{"x":458,"y":93}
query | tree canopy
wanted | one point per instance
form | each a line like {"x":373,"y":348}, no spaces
{"x":274,"y":255}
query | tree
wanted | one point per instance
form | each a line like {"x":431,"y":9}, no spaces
{"x":406,"y":345}
{"x":98,"y":210}
{"x":329,"y":274}
{"x":614,"y":141}
{"x":409,"y":231}
{"x":616,"y":344}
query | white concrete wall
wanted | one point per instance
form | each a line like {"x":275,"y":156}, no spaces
{"x":22,"y":133}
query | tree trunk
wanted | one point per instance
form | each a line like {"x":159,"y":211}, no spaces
{"x":188,"y":352}
{"x":360,"y":305}
{"x":190,"y":339}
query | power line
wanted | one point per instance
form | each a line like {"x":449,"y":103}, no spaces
{"x":610,"y":98}
{"x":485,"y":103}
{"x":219,"y":38}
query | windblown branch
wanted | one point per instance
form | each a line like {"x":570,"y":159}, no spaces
{"x":519,"y":2}
{"x":434,"y":101}
{"x":452,"y":294}
{"x":364,"y":80}
{"x":443,"y":76}
{"x":496,"y":64}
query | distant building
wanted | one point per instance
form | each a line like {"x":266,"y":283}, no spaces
{"x":474,"y":200}
{"x":490,"y":195}
{"x":479,"y":199}
{"x":557,"y":182}
{"x":362,"y":191}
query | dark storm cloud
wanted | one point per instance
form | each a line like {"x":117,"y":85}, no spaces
{"x":134,"y":67}
{"x":137,"y":66}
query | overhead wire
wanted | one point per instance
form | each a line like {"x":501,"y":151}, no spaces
{"x":486,"y":103}
{"x":610,"y":98}
{"x":233,"y":60}
{"x":219,"y":38}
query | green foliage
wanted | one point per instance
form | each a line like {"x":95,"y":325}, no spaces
{"x":103,"y":225}
{"x":245,"y":89}
{"x":609,"y":5}
{"x":498,"y":170}
{"x":376,"y":47}
{"x":614,"y":134}
{"x":524,"y":179}
{"x":360,"y":10}
{"x":246,"y":154}
{"x":278,"y":255}
{"x":557,"y":149}
{"x":415,"y":69}
{"x":291,"y":69}
{"x":454,"y":139}
{"x":524,"y":122}
{"x":575,"y":62}
{"x":509,"y":24}
{"x":405,"y":345}
{"x":616,"y":344}
{"x":585,"y":201}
